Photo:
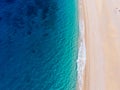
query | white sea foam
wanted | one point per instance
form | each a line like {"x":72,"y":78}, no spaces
{"x":81,"y":54}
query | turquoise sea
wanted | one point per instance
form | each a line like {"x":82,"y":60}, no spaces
{"x":38,"y":44}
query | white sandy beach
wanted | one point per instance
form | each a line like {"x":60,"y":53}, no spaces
{"x":102,"y":40}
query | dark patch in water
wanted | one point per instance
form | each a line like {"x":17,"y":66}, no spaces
{"x":9,"y":1}
{"x":7,"y":15}
{"x":33,"y":51}
{"x":18,"y":22}
{"x":0,"y":18}
{"x":44,"y":6}
{"x":31,"y":10}
{"x":0,"y":41}
{"x":45,"y":12}
{"x":49,"y":15}
{"x":42,"y":3}
{"x":46,"y":34}
{"x":29,"y":32}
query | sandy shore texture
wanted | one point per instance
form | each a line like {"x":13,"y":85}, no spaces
{"x":102,"y":40}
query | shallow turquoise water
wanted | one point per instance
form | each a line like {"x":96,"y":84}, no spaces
{"x":38,"y":44}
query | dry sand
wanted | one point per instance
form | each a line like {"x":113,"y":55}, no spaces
{"x":102,"y":39}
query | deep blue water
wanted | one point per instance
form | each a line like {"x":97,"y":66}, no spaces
{"x":38,"y":44}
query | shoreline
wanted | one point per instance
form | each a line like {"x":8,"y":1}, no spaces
{"x":82,"y":48}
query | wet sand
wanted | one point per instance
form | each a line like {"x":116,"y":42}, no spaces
{"x":102,"y":40}
{"x":82,"y":52}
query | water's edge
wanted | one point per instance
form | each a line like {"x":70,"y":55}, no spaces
{"x":81,"y":61}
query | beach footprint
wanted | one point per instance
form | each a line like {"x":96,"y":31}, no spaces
{"x":117,"y":10}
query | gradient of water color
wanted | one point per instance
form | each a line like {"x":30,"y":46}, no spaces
{"x":38,"y":44}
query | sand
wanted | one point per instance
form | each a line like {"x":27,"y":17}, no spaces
{"x":102,"y":40}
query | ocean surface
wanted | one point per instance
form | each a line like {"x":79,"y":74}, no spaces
{"x":38,"y":44}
